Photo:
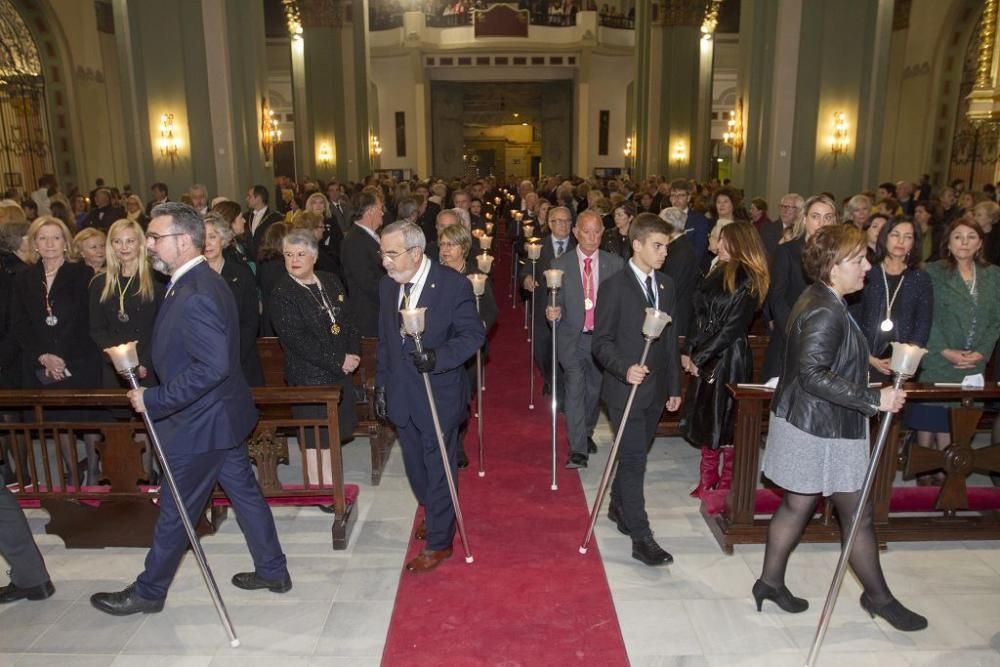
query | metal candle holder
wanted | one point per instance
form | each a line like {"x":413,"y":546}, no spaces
{"x":479,"y":289}
{"x":553,"y":279}
{"x":125,"y":359}
{"x":904,"y":364}
{"x":652,"y":326}
{"x":534,"y":251}
{"x":413,"y":325}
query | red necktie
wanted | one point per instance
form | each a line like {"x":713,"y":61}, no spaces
{"x":588,"y":295}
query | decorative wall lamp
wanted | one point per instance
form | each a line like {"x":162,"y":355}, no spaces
{"x":168,"y":143}
{"x":324,"y":156}
{"x":839,"y":141}
{"x":733,"y":136}
{"x":680,"y":152}
{"x":629,"y":150}
{"x":269,"y":132}
{"x":376,"y":147}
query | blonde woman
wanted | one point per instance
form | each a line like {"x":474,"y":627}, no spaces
{"x":89,"y":245}
{"x":332,"y":237}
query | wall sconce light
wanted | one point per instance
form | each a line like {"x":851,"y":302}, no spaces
{"x":629,"y":150}
{"x":293,"y":19}
{"x":269,"y":132}
{"x":839,"y":141}
{"x":680,"y":151}
{"x":376,"y":148}
{"x":168,"y":141}
{"x":324,"y":153}
{"x":733,"y":136}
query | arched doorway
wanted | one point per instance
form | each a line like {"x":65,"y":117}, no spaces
{"x":25,"y":146}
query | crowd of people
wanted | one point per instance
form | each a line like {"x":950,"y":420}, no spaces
{"x":832,"y":286}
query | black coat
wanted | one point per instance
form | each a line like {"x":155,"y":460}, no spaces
{"x":618,"y":341}
{"x":682,"y":267}
{"x":253,"y":241}
{"x":788,"y":281}
{"x":823,"y":389}
{"x":10,"y":350}
{"x":613,"y":242}
{"x":69,"y":338}
{"x":718,"y":346}
{"x":269,"y":272}
{"x":240,"y":279}
{"x":330,"y":246}
{"x":362,"y":272}
{"x":107,"y":330}
{"x":103,"y":218}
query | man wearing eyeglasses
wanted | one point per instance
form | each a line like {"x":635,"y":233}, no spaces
{"x":696,"y":225}
{"x":790,"y":214}
{"x":452,"y":333}
{"x":361,"y":263}
{"x":203,"y":413}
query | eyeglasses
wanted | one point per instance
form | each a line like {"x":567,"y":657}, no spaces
{"x":448,"y":244}
{"x":155,"y":238}
{"x":393,"y":255}
{"x":788,"y":207}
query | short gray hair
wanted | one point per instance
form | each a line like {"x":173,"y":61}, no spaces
{"x":301,"y":237}
{"x":674,"y":217}
{"x":413,"y":236}
{"x":406,"y":207}
{"x":185,"y":218}
{"x":12,"y":233}
{"x":222,"y":227}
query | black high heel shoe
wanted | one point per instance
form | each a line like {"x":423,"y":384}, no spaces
{"x":895,"y":614}
{"x":779,"y":596}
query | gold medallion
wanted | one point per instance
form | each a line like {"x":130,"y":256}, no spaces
{"x":335,"y":329}
{"x":588,"y":304}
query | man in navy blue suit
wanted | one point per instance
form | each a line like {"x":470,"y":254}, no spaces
{"x":697,"y":226}
{"x":203,"y":413}
{"x":453,"y":332}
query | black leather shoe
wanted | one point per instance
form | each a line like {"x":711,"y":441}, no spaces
{"x":13,"y":593}
{"x":895,"y":614}
{"x":546,"y":389}
{"x":591,"y":446}
{"x":615,"y":514}
{"x":780,"y":596}
{"x":650,"y":553}
{"x":576,"y":460}
{"x":251,"y":581}
{"x":124,"y":603}
{"x":462,"y":461}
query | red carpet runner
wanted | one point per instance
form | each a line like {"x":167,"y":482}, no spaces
{"x":529,"y":598}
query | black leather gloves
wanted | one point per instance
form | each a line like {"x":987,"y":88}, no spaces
{"x":381,"y":411}
{"x":424,"y":360}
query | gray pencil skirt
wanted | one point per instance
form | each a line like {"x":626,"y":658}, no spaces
{"x":804,"y":463}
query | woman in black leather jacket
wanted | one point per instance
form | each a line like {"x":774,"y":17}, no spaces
{"x":817,"y":440}
{"x":718,"y":352}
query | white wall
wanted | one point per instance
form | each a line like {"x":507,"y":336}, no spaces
{"x":608,"y":79}
{"x":394,"y":77}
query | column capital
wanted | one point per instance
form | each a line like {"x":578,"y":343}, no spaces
{"x":323,"y":13}
{"x":901,"y":14}
{"x":673,"y":13}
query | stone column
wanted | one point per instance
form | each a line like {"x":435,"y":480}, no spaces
{"x":673,"y":91}
{"x":796,"y":73}
{"x":330,"y":89}
{"x":182,"y":58}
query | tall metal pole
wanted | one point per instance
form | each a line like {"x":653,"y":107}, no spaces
{"x":845,"y":554}
{"x":531,"y":340}
{"x":199,"y":553}
{"x":613,"y":456}
{"x":555,"y":393}
{"x":479,"y":402}
{"x":444,"y":456}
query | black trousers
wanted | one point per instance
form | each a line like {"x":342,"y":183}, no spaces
{"x":17,"y":546}
{"x":627,"y":488}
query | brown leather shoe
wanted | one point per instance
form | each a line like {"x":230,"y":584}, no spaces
{"x":427,"y":560}
{"x":421,"y":532}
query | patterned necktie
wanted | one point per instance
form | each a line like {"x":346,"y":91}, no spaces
{"x":406,"y":295}
{"x":560,"y":248}
{"x":588,"y":293}
{"x":650,"y":295}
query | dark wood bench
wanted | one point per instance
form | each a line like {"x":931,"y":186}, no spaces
{"x":667,"y":426}
{"x":121,"y":511}
{"x":954,"y":511}
{"x":380,"y":434}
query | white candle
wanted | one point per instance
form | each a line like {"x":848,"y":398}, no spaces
{"x":124,"y":357}
{"x":534,"y":250}
{"x":485,"y":242}
{"x":553,"y":278}
{"x":413,"y":320}
{"x":485,"y":262}
{"x":489,"y":225}
{"x":478,"y":283}
{"x":655,"y":322}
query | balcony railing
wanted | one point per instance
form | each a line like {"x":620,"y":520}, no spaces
{"x":553,"y":20}
{"x":385,"y":22}
{"x":620,"y":22}
{"x":448,"y":20}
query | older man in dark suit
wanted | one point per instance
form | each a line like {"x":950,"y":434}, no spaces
{"x":362,"y":264}
{"x":453,"y":332}
{"x":584,"y":271}
{"x":203,"y":412}
{"x":29,"y":580}
{"x":618,"y":343}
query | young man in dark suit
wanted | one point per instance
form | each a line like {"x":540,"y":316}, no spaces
{"x":697,"y":225}
{"x":259,"y":217}
{"x":618,"y":343}
{"x":453,"y":332}
{"x":361,"y":262}
{"x":203,"y":412}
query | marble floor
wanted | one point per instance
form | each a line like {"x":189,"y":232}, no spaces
{"x":696,"y":612}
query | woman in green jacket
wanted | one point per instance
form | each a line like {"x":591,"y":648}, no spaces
{"x":964,"y":329}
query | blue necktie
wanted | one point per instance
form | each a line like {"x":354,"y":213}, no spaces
{"x":560,"y":248}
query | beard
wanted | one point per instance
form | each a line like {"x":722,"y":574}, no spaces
{"x":160,"y":265}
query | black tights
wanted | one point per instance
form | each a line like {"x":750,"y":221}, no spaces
{"x":790,"y":520}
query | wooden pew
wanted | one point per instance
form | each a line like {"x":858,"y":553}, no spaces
{"x":668,"y":420}
{"x":380,"y":434}
{"x":952,"y":512}
{"x":119,"y":511}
